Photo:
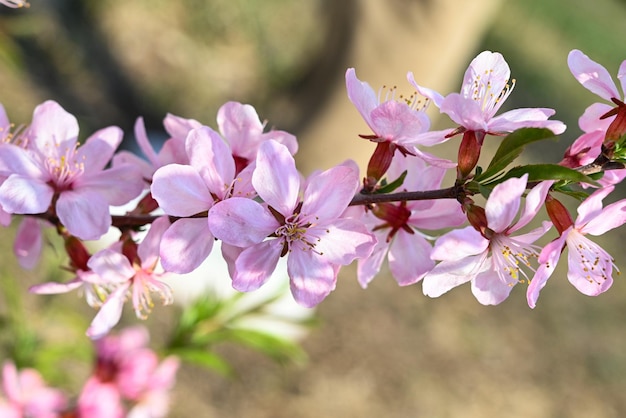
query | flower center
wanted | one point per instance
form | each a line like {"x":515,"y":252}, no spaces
{"x":510,"y":255}
{"x":65,"y":167}
{"x":414,"y":100}
{"x":481,"y":90}
{"x":296,"y":232}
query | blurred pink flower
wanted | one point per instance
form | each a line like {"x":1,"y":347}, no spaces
{"x":27,"y":396}
{"x":132,"y":370}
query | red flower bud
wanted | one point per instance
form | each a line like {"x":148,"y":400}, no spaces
{"x":558,"y":214}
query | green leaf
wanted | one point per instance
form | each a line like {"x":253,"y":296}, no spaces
{"x":540,"y":172}
{"x":279,"y":349}
{"x":388,"y":188}
{"x":204,"y":358}
{"x":511,"y":147}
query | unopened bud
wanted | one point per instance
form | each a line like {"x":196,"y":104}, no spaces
{"x":558,"y":214}
{"x":477,"y":218}
{"x":469,"y":152}
{"x":77,"y":252}
{"x":380,"y":161}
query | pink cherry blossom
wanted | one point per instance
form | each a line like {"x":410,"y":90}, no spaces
{"x":128,"y":370}
{"x":399,"y":122}
{"x":188,"y":190}
{"x":490,"y":261}
{"x":399,"y":226}
{"x":304,"y":225}
{"x":590,"y":267}
{"x":27,"y":396}
{"x":55,"y":169}
{"x":136,"y":278}
{"x":486,"y":85}
{"x":99,"y":400}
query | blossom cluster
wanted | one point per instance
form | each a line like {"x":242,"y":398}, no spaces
{"x":127,"y":381}
{"x":238,"y":183}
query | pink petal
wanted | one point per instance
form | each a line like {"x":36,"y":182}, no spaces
{"x":242,"y":128}
{"x":525,"y":118}
{"x":28,"y":242}
{"x":241,"y":222}
{"x":491,"y":69}
{"x":426,"y":92}
{"x":621,"y":75}
{"x":328,"y":194}
{"x":53,"y":129}
{"x":281,"y":137}
{"x":409,"y":258}
{"x":16,"y":160}
{"x":212,"y":158}
{"x":504,"y":202}
{"x":85,"y":214}
{"x":128,"y":158}
{"x":117,"y":185}
{"x":449,"y":274}
{"x":180,"y":190}
{"x":179,"y":127}
{"x":369,"y":267}
{"x":548,"y":260}
{"x":311,"y":278}
{"x":148,"y":249}
{"x":24,"y":195}
{"x":99,"y":148}
{"x":109,"y":314}
{"x":590,"y":120}
{"x":442,"y":214}
{"x":255,"y":265}
{"x":397,"y":122}
{"x":464,"y":111}
{"x":342,"y":241}
{"x":111,"y":266}
{"x":185,"y":245}
{"x":144,"y":143}
{"x":611,"y":217}
{"x":590,"y":277}
{"x":489,"y":289}
{"x":53,"y":288}
{"x":275,"y":178}
{"x":534,"y":202}
{"x":591,"y":207}
{"x":361,"y":95}
{"x":593,"y":76}
{"x":458,"y":244}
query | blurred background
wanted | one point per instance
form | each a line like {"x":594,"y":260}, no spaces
{"x":385,"y":351}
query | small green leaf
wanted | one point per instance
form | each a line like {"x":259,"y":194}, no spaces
{"x":279,"y":349}
{"x":511,"y":147}
{"x":540,"y":172}
{"x":388,"y":188}
{"x":204,"y":358}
